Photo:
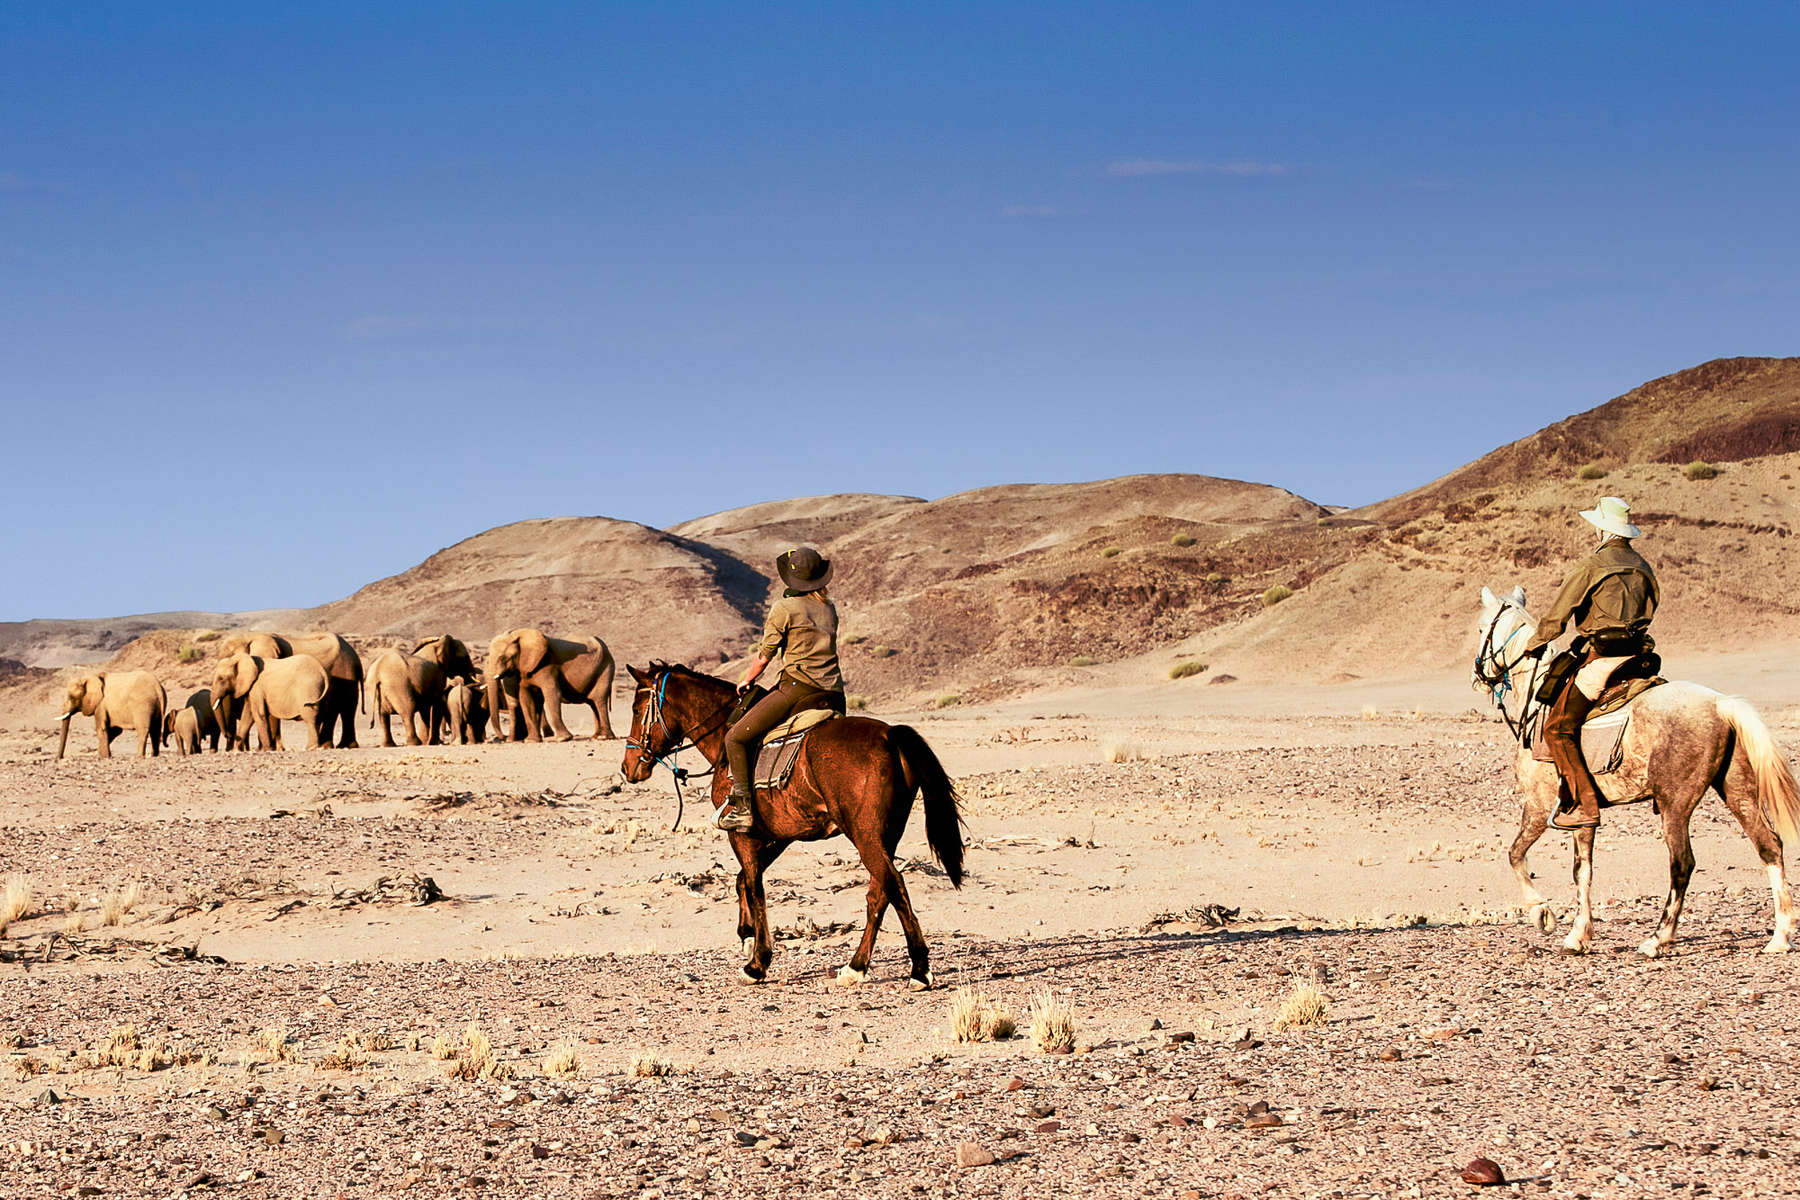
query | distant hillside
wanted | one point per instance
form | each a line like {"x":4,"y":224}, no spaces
{"x":1006,"y":589}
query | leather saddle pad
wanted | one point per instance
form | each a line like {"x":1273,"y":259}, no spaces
{"x":1603,"y":734}
{"x":781,"y":749}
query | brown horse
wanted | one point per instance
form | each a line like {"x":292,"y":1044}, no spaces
{"x":855,"y":776}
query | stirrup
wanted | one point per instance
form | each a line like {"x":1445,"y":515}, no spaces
{"x":1577,"y":822}
{"x":735,"y":816}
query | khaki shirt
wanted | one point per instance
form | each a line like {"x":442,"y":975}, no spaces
{"x":803,"y":631}
{"x":1612,"y":590}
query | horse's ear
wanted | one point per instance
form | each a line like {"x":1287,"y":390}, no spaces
{"x":1488,"y":599}
{"x":637,"y":674}
{"x":1518,"y":596}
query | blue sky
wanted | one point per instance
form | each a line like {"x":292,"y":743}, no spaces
{"x":292,"y":296}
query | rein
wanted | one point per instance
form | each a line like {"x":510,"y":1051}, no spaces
{"x":1496,"y":676}
{"x":678,"y":774}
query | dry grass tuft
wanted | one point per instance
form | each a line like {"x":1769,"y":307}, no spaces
{"x":1276,"y":595}
{"x":208,"y":635}
{"x":1111,"y":552}
{"x":15,"y":898}
{"x":646,"y":1065}
{"x":1082,"y":660}
{"x":1182,"y":539}
{"x":884,"y":652}
{"x":1052,"y":1023}
{"x":974,"y":1017}
{"x":415,"y":1041}
{"x":1591,"y":471}
{"x":563,"y":1061}
{"x":947,"y":700}
{"x":116,"y":903}
{"x":1186,"y":667}
{"x":274,"y":1044}
{"x":1302,"y":1008}
{"x":443,"y":1049}
{"x":1700,"y":470}
{"x":856,"y":702}
{"x":476,"y":1059}
{"x":1118,"y":752}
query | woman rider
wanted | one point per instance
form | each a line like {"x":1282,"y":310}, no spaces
{"x":802,"y":628}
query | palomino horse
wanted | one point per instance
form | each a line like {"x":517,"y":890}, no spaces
{"x":855,"y":776}
{"x":1682,"y":740}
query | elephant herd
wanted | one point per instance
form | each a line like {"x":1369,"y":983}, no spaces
{"x":317,"y":679}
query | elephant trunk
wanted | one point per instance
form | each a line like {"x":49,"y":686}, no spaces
{"x":496,"y":699}
{"x":62,"y":743}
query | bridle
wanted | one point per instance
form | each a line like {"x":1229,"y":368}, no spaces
{"x":655,"y":721}
{"x":1495,"y":674}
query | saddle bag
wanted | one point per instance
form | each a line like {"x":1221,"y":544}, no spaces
{"x":1561,"y":670}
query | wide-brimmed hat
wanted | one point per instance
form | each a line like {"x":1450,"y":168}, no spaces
{"x":1612,"y":515}
{"x":803,"y":570}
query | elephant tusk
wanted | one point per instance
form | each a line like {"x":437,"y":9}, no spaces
{"x":66,"y":715}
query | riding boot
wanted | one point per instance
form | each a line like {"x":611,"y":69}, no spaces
{"x":1580,"y":808}
{"x":736,"y":813}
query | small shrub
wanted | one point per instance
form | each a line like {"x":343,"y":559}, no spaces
{"x":275,"y":1043}
{"x":443,"y":1049}
{"x":1700,"y":470}
{"x":563,"y":1061}
{"x":1186,"y":667}
{"x":884,"y":652}
{"x":854,"y":639}
{"x":1052,"y":1024}
{"x":1276,"y":595}
{"x":1591,"y":471}
{"x":190,"y":653}
{"x":209,"y":635}
{"x":1111,"y":552}
{"x":974,"y":1018}
{"x":948,"y":700}
{"x":15,"y":898}
{"x":476,"y":1059}
{"x":1302,"y":1008}
{"x":1182,"y":539}
{"x":75,"y":922}
{"x":856,"y":701}
{"x":120,"y":901}
{"x":1215,"y":577}
{"x":999,"y":1025}
{"x":1081,"y":660}
{"x":645,"y":1065}
{"x":1118,"y":752}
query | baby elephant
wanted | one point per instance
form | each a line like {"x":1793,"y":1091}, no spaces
{"x":117,"y":700}
{"x":248,"y":691}
{"x":193,"y":723}
{"x":467,"y":705}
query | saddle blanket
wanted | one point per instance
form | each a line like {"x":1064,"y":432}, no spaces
{"x":781,"y":749}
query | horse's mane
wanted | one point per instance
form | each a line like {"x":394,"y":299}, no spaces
{"x":659,"y":667}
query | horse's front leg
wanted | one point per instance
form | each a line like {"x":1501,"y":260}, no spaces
{"x":1583,"y":930}
{"x":1534,"y":818}
{"x":754,"y":857}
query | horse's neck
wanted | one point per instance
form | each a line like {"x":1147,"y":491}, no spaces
{"x":703,"y":713}
{"x":1525,"y":673}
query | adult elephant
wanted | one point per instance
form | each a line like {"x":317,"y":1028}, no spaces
{"x":329,"y":650}
{"x":117,"y":700}
{"x":549,"y":672}
{"x":193,"y":723}
{"x":410,"y":687}
{"x":264,"y":692}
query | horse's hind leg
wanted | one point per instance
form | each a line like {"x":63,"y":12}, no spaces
{"x":1738,"y":786}
{"x":1583,"y":930}
{"x":1681,"y":869}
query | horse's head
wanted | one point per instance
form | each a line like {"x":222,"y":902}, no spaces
{"x":1505,"y":628}
{"x":654,"y":730}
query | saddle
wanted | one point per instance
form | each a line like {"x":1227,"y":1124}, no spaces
{"x":1603,"y":733}
{"x":781,"y":749}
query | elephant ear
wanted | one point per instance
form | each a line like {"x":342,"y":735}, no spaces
{"x":534,"y":648}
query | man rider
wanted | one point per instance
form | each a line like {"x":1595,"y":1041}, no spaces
{"x":1611,"y":596}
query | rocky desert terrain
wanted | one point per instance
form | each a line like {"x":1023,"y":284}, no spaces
{"x":1249,"y":918}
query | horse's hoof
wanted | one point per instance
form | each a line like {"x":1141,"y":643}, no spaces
{"x":850,"y":976}
{"x":747,"y":976}
{"x":1650,"y":948}
{"x":920,"y":985}
{"x":1776,"y":947}
{"x":1544,"y":918}
{"x":1572,"y":948}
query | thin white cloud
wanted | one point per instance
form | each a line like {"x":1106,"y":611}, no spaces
{"x":1031,"y":210}
{"x":1133,"y":167}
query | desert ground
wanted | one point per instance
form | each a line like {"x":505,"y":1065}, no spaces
{"x":279,"y":1014}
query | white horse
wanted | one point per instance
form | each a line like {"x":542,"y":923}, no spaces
{"x":1683,"y":739}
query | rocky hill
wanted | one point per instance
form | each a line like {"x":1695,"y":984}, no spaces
{"x":1006,"y":589}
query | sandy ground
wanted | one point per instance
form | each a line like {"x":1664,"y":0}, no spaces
{"x":1359,"y":830}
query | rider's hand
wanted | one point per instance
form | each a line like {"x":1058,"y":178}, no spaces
{"x":744,"y":688}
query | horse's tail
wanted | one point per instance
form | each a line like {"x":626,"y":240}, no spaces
{"x":1776,"y":791}
{"x":943,"y":820}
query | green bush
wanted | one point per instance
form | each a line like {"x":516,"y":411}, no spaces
{"x":949,"y":700}
{"x":884,"y":652}
{"x":1276,"y":595}
{"x":1700,"y":470}
{"x":856,"y":701}
{"x":1591,"y":471}
{"x":1215,"y":577}
{"x":1182,"y":539}
{"x":188,"y":654}
{"x":1186,"y":667}
{"x":1109,"y":552}
{"x":1081,"y":660}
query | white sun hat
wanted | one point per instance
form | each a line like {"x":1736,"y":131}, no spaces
{"x":1612,"y":515}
